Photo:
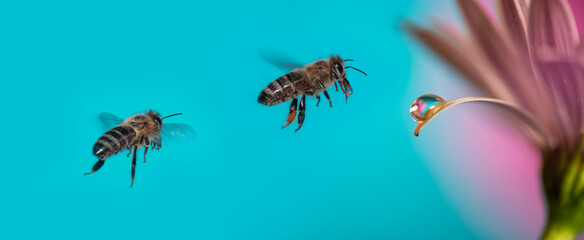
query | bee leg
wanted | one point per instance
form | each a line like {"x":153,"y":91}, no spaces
{"x":292,"y":114}
{"x":146,"y":145}
{"x":336,"y":86}
{"x":348,"y":90}
{"x":96,"y":166}
{"x":342,"y":87}
{"x":320,"y":85}
{"x":322,"y":88}
{"x":348,"y":87}
{"x":328,"y":97}
{"x":301,"y":111}
{"x":133,"y":165}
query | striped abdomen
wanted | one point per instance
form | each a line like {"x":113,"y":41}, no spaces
{"x":113,"y":141}
{"x":282,"y":89}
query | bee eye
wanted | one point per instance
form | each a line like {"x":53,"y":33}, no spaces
{"x":158,"y":121}
{"x":338,"y":67}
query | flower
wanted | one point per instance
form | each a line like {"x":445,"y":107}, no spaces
{"x":531,"y":62}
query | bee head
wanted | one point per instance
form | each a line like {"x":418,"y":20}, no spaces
{"x":340,"y":74}
{"x":155,"y":118}
{"x":338,"y":70}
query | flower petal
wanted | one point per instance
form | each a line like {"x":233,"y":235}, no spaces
{"x":578,"y":7}
{"x":552,"y":28}
{"x":498,"y":52}
{"x":501,"y":54}
{"x":553,"y":39}
{"x":513,"y":14}
{"x":564,"y":80}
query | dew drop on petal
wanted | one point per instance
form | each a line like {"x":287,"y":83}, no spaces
{"x":424,"y":105}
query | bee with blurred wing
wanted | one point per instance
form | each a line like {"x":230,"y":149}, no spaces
{"x":139,"y":130}
{"x":312,"y":80}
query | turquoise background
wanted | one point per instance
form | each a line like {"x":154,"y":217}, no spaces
{"x":352,"y":172}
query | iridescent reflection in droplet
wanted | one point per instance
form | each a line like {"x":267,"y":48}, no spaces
{"x":424,"y":105}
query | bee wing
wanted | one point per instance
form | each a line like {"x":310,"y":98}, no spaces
{"x":177,"y":131}
{"x":280,"y":61}
{"x":109,"y":120}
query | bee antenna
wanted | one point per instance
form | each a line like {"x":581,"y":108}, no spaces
{"x":348,"y":60}
{"x":356,"y":69}
{"x":172,"y":115}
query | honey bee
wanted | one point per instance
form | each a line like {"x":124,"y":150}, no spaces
{"x":310,"y":80}
{"x":139,"y":130}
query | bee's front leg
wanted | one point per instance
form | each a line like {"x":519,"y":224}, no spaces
{"x":342,"y":86}
{"x":156,"y":143}
{"x":348,"y":89}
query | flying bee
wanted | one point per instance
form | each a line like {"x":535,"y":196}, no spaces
{"x":310,"y":80}
{"x":139,"y":130}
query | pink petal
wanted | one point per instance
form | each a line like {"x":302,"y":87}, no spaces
{"x":502,"y":55}
{"x":578,"y":9}
{"x":513,"y":14}
{"x":554,"y":40}
{"x":552,"y":28}
{"x":564,"y":80}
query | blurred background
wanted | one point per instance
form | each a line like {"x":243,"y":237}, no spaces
{"x":354,"y":171}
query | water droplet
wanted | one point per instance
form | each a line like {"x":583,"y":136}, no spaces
{"x":425,"y":105}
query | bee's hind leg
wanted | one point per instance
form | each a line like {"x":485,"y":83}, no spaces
{"x":133,"y":172}
{"x":292,"y":114}
{"x":301,"y":111}
{"x":96,"y":166}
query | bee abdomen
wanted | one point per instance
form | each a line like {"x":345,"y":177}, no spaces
{"x":113,"y":141}
{"x":281,"y":90}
